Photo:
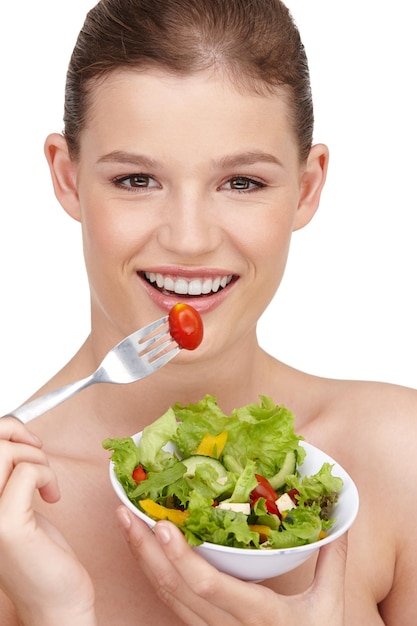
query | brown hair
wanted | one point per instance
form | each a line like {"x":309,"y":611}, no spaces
{"x":255,"y":42}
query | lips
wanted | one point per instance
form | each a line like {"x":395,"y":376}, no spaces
{"x":195,"y":286}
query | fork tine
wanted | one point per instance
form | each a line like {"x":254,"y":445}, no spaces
{"x":159,"y":349}
{"x":164,"y":358}
{"x":143,"y":345}
{"x":146,"y":330}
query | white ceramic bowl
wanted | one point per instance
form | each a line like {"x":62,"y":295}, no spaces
{"x":257,"y":565}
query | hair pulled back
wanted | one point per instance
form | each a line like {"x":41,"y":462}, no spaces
{"x":254,"y":42}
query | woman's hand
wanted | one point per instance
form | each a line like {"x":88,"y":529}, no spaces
{"x":38,"y":570}
{"x":202,"y":596}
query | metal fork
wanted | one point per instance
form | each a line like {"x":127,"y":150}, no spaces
{"x":140,"y":354}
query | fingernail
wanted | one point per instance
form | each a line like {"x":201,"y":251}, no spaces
{"x":163,"y":533}
{"x":124,"y":520}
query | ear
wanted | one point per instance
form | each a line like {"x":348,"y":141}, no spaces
{"x":63,"y":173}
{"x":313,"y":178}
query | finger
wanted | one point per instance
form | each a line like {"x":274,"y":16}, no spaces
{"x":13,"y":430}
{"x":11,"y":454}
{"x":16,"y":502}
{"x":330,"y":570}
{"x":163,"y":576}
{"x":234,"y":598}
{"x":153,"y":563}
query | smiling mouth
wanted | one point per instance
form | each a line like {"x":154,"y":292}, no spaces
{"x":168,"y":285}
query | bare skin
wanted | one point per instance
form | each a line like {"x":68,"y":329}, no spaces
{"x":355,"y":427}
{"x":98,"y":577}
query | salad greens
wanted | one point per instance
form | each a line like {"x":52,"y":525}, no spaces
{"x":223,"y":479}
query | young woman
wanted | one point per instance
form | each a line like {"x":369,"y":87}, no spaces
{"x":188,"y":160}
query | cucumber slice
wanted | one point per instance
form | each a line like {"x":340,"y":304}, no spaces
{"x":192,"y":462}
{"x":288,"y":467}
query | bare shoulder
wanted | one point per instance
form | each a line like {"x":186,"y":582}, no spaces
{"x":350,"y":419}
{"x":386,"y":471}
{"x":380,"y":411}
{"x":375,"y":428}
{"x":366,"y":424}
{"x":371,"y":430}
{"x":378,"y":399}
{"x":371,"y":413}
{"x":377,"y":423}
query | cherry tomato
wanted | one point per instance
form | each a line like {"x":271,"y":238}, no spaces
{"x":271,"y":507}
{"x":264,"y":489}
{"x":139,"y":474}
{"x":185,"y":326}
{"x":293,"y":493}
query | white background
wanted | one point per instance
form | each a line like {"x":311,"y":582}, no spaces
{"x":347,"y":307}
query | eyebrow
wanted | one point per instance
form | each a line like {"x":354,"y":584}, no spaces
{"x":230,"y":161}
{"x":248,"y":158}
{"x":119,"y":156}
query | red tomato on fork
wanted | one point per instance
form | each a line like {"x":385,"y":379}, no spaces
{"x":185,"y":326}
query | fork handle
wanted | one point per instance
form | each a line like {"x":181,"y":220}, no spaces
{"x":38,"y":406}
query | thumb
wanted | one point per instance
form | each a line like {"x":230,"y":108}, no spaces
{"x":331,"y":567}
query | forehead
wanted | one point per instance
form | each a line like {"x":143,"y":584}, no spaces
{"x":132,"y":105}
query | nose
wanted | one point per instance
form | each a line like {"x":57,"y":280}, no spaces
{"x":190,"y":227}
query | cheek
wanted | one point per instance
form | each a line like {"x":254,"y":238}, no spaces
{"x":109,"y":236}
{"x":269,"y":236}
{"x":269,"y":247}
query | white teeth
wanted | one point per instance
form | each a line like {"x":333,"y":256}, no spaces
{"x":206,"y":287}
{"x":216,"y":284}
{"x":194,"y":287}
{"x":169,"y":284}
{"x":181,"y":286}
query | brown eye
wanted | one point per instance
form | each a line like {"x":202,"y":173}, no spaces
{"x":240,"y":183}
{"x":136,"y":181}
{"x":243,"y":184}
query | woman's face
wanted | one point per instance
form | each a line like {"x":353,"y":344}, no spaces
{"x":188,"y":190}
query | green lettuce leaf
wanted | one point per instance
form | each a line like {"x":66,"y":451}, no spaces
{"x":322,"y":487}
{"x":154,"y":438}
{"x":197,"y":420}
{"x":301,"y":526}
{"x":262,"y":432}
{"x":126,"y":458}
{"x":220,"y":526}
{"x":156,"y":486}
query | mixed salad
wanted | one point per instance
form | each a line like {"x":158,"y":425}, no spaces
{"x":229,"y":480}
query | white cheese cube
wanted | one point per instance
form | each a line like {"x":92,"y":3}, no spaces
{"x":285,"y":503}
{"x":238,"y":507}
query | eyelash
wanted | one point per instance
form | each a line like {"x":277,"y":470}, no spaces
{"x":119,"y":182}
{"x":257,"y":184}
{"x":251,"y":183}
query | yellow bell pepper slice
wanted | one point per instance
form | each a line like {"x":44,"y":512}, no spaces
{"x":155,"y":510}
{"x":212,"y":445}
{"x":263,"y":530}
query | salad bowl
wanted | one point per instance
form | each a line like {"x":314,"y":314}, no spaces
{"x":259,"y":564}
